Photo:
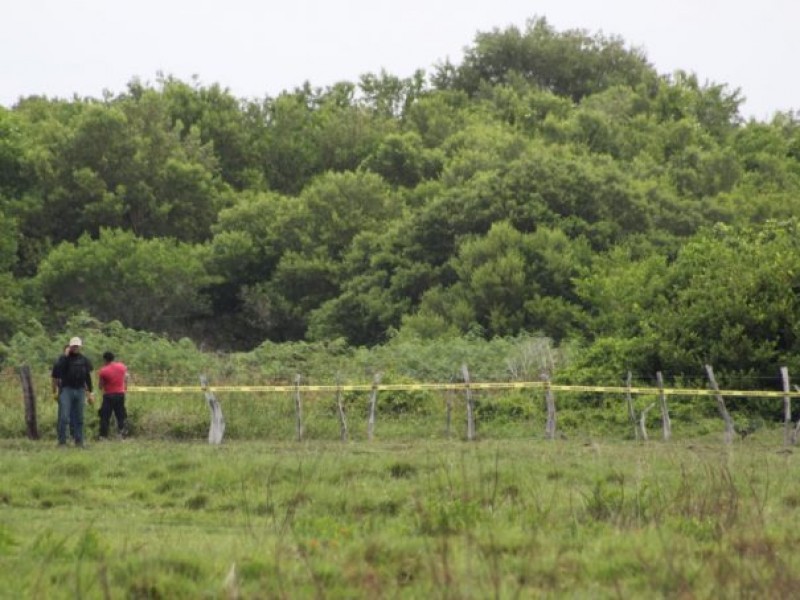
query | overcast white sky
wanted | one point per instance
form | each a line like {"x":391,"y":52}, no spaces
{"x":260,"y":47}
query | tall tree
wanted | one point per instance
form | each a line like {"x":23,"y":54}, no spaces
{"x":152,"y":284}
{"x":508,"y":281}
{"x":571,"y":63}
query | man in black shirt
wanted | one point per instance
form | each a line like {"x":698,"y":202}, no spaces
{"x":73,"y":371}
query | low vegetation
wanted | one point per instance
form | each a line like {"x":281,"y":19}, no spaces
{"x":417,"y":511}
{"x":428,"y":517}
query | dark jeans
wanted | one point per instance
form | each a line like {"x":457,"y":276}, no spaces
{"x":70,"y":412}
{"x":113,"y":403}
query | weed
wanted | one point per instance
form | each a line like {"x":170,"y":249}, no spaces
{"x":402,"y":470}
{"x":197,"y":502}
{"x":170,"y":486}
{"x":791,"y":500}
{"x":7,"y":540}
{"x":72,"y":470}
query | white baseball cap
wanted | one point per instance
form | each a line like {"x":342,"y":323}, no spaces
{"x":76,"y":341}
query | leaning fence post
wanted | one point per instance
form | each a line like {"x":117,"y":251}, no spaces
{"x":550,"y":427}
{"x":340,"y":407}
{"x":723,"y":410}
{"x":217,"y":428}
{"x":29,"y":399}
{"x":470,"y":405}
{"x":787,"y":407}
{"x":629,"y":400}
{"x":373,"y":401}
{"x":643,"y":421}
{"x":298,"y":409}
{"x":666,"y":424}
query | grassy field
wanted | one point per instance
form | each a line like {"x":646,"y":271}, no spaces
{"x":438,"y":518}
{"x":415,"y":513}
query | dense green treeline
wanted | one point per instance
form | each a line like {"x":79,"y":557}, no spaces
{"x":550,"y":183}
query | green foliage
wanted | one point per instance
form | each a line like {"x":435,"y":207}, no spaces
{"x":336,"y":207}
{"x":401,"y":159}
{"x":728,"y":300}
{"x":573,"y":63}
{"x":307,"y":132}
{"x":437,"y":115}
{"x":153,"y":359}
{"x":503,"y":278}
{"x":119,"y":164}
{"x":547,"y":182}
{"x":219,"y":118}
{"x":13,"y":177}
{"x":734,"y":304}
{"x":624,"y":293}
{"x":15,"y":309}
{"x":148,"y":284}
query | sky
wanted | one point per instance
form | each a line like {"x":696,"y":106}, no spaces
{"x":258,"y":48}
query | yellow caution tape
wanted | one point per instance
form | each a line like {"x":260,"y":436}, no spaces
{"x":509,"y":385}
{"x":165,"y":389}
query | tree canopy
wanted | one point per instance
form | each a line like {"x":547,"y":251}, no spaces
{"x":549,"y":182}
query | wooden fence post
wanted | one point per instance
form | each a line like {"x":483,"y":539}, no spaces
{"x":373,"y":401}
{"x":340,"y":407}
{"x":29,"y":400}
{"x":643,"y":421}
{"x":666,"y":424}
{"x":470,"y":405}
{"x":787,"y":407}
{"x":298,"y":409}
{"x":629,"y":400}
{"x":448,"y":410}
{"x":796,"y":431}
{"x":723,"y":410}
{"x":550,"y":426}
{"x":217,"y":428}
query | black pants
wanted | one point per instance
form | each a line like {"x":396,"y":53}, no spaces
{"x":113,"y":403}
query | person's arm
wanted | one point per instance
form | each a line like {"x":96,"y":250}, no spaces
{"x":55,"y":377}
{"x":88,"y":384}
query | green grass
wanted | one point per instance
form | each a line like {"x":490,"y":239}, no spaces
{"x":415,"y":513}
{"x":429,"y":518}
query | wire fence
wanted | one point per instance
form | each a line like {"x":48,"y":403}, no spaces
{"x":405,"y":410}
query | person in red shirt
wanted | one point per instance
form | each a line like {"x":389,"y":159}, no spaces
{"x":113,"y":381}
